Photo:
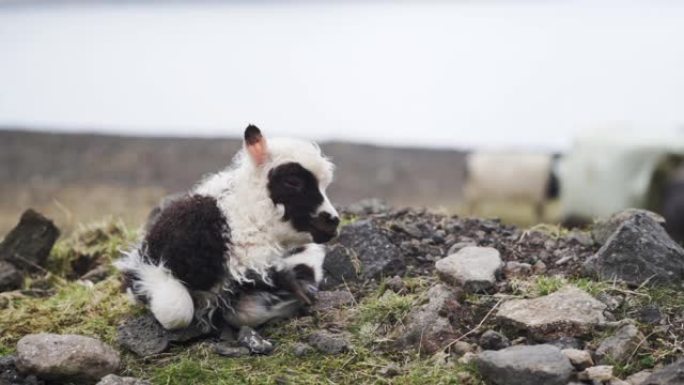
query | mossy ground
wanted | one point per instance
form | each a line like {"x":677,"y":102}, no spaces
{"x":97,"y":310}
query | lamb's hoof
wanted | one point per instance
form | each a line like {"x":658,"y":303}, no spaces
{"x":251,"y":340}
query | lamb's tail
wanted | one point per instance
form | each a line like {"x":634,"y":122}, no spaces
{"x":167,"y":297}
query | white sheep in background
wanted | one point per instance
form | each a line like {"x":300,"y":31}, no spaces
{"x":509,"y":177}
{"x":239,"y":245}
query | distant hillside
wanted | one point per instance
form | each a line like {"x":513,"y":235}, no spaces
{"x":83,"y":177}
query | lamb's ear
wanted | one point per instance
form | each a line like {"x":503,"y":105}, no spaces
{"x":255,"y":144}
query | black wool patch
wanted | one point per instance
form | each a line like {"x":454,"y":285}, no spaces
{"x":189,"y":238}
{"x":296,"y":188}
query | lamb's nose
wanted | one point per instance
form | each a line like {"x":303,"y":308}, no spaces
{"x":329,"y":220}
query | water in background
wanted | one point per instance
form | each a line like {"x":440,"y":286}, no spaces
{"x":436,"y":74}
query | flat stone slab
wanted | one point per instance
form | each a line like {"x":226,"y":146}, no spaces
{"x":567,"y":312}
{"x":474,"y":268}
{"x":525,"y":365}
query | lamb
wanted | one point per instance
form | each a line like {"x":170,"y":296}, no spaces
{"x":244,"y":245}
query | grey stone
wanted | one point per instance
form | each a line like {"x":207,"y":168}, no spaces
{"x":329,"y":343}
{"x":492,"y":340}
{"x":143,"y":336}
{"x":327,"y":300}
{"x":10,"y":277}
{"x":581,"y":359}
{"x":228,"y":350}
{"x":339,"y":266}
{"x":461,"y":347}
{"x":396,"y":284}
{"x":603,"y":229}
{"x":650,"y":314}
{"x":517,"y":269}
{"x":600,"y":374}
{"x":639,"y":378}
{"x":9,"y":374}
{"x":620,"y":346}
{"x":525,"y":365}
{"x":190,"y":333}
{"x":372,"y":246}
{"x":567,"y":312}
{"x":301,"y":349}
{"x":29,"y":243}
{"x":66,"y":357}
{"x":472,"y":267}
{"x":456,"y":247}
{"x":672,"y":374}
{"x":251,"y":340}
{"x":112,"y":379}
{"x":424,"y":326}
{"x":639,"y":251}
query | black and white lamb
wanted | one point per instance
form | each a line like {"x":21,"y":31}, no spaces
{"x":243,"y":245}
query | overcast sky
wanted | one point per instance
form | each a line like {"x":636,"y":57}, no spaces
{"x":436,"y":74}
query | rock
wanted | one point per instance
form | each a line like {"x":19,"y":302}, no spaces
{"x":10,"y":277}
{"x":228,"y":350}
{"x":491,"y":340}
{"x":467,"y":358}
{"x":112,"y":379}
{"x":251,"y":340}
{"x":373,"y":248}
{"x":425,"y":327}
{"x":472,"y":267}
{"x":617,"y":381}
{"x":672,"y":374}
{"x":367,"y":206}
{"x":639,"y":378}
{"x":603,"y":229}
{"x":10,"y":375}
{"x":143,"y":336}
{"x":329,"y":343}
{"x":640,"y":250}
{"x":190,"y":333}
{"x":66,"y":357}
{"x":456,"y":247}
{"x":396,"y":284}
{"x":525,"y":365}
{"x":563,"y":343}
{"x":339,"y":266}
{"x":301,"y":349}
{"x":461,"y":347}
{"x":28,"y":244}
{"x":580,"y":359}
{"x":650,"y":314}
{"x":567,"y":312}
{"x":613,"y":302}
{"x":517,"y":269}
{"x":619,"y":347}
{"x":601,"y":373}
{"x":539,"y":267}
{"x":327,"y":300}
{"x":581,"y":237}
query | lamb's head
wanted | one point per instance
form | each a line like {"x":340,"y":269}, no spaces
{"x":297,"y":176}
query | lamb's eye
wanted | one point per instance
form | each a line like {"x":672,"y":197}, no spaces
{"x":293,"y":183}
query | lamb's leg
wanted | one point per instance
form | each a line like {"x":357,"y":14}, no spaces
{"x":293,"y":284}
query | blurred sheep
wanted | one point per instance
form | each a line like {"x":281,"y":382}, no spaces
{"x":512,"y":178}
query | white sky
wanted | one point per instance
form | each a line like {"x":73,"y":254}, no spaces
{"x":436,"y":74}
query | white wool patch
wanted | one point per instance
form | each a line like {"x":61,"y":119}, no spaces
{"x":312,"y":256}
{"x":169,"y":300}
